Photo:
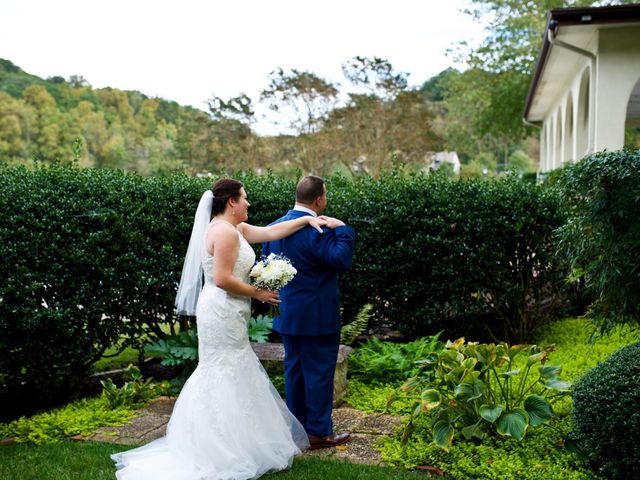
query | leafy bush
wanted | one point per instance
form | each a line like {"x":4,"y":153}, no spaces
{"x":386,"y":362}
{"x":92,"y":258}
{"x":179,"y":350}
{"x":469,"y":388}
{"x":601,"y":239}
{"x":479,"y":254}
{"x":607,"y":416}
{"x":135,"y":392}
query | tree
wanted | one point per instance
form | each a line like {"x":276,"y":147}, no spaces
{"x":305,"y":101}
{"x":303,"y":98}
{"x":376,"y":76}
{"x":383,"y":121}
{"x":234,"y":143}
{"x":486,"y":102}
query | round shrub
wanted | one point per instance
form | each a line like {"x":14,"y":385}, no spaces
{"x":606,"y":412}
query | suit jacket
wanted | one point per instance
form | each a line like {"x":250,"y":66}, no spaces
{"x":311,"y":301}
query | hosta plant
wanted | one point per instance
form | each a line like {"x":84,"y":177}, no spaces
{"x":475,"y":389}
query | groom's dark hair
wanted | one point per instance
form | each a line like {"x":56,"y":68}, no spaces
{"x":309,"y":188}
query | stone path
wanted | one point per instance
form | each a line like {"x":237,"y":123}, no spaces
{"x":365,"y":430}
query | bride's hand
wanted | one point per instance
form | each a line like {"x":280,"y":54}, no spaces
{"x":272,"y":297}
{"x":317,"y":223}
{"x":331,"y":222}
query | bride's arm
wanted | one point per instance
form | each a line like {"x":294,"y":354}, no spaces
{"x":225,"y":243}
{"x":280,"y":230}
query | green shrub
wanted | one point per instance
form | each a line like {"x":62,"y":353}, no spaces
{"x":386,"y":362}
{"x":92,"y":258}
{"x":82,"y":417}
{"x":461,"y":256}
{"x":135,"y":392}
{"x":474,"y":389}
{"x":89,"y":257}
{"x":606,"y":413}
{"x":601,"y":239}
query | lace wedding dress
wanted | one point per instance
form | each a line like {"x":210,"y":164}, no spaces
{"x":229,"y":421}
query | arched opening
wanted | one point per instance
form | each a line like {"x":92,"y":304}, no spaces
{"x":568,"y":129}
{"x":582,"y":123}
{"x":632,"y":122}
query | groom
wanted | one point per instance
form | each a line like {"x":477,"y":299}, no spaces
{"x":309,"y":320}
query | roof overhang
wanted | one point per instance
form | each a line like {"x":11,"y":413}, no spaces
{"x":573,"y":27}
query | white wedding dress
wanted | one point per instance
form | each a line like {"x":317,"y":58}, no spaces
{"x":229,"y":423}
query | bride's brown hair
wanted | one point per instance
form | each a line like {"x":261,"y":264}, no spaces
{"x":223,"y":190}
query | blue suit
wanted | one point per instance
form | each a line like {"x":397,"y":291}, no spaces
{"x":309,"y":320}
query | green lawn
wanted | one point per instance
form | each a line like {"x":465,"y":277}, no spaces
{"x":90,"y":461}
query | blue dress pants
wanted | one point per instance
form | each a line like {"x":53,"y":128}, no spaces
{"x":309,"y":367}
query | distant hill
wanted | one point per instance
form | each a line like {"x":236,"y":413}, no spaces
{"x":42,"y":118}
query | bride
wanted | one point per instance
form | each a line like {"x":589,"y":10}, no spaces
{"x":228,"y":423}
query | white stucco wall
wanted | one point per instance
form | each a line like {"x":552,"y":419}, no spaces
{"x":618,"y":70}
{"x":595,"y":97}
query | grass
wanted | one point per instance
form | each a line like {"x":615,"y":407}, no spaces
{"x":122,"y":360}
{"x":90,"y":461}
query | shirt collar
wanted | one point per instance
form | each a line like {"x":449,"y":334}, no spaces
{"x":300,"y":208}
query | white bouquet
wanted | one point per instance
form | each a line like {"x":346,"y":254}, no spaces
{"x":272,"y":272}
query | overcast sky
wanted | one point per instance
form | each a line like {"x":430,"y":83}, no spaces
{"x":191,"y":50}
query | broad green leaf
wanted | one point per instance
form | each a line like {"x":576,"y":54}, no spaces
{"x":549,"y":371}
{"x":490,"y":412}
{"x":510,"y":373}
{"x":471,"y":431}
{"x":470,"y":363}
{"x":443,"y":434}
{"x":455,"y":344}
{"x":513,"y":423}
{"x":536,"y":357}
{"x":556,"y":384}
{"x":538,"y":409}
{"x":514,"y":350}
{"x":430,"y":399}
{"x":470,"y":390}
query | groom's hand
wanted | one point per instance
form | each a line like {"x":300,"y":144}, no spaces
{"x":332,"y":222}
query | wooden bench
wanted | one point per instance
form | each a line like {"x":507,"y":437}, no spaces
{"x":271,"y":355}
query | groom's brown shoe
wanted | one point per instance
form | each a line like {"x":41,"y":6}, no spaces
{"x":335,"y":439}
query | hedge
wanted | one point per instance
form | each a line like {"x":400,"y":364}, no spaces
{"x":93,"y":256}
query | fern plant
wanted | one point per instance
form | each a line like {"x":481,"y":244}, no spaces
{"x":349,"y":332}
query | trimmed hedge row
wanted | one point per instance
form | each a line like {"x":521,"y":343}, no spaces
{"x":89,"y":256}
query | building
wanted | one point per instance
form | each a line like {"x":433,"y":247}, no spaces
{"x":437,"y":159}
{"x":586,"y":86}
